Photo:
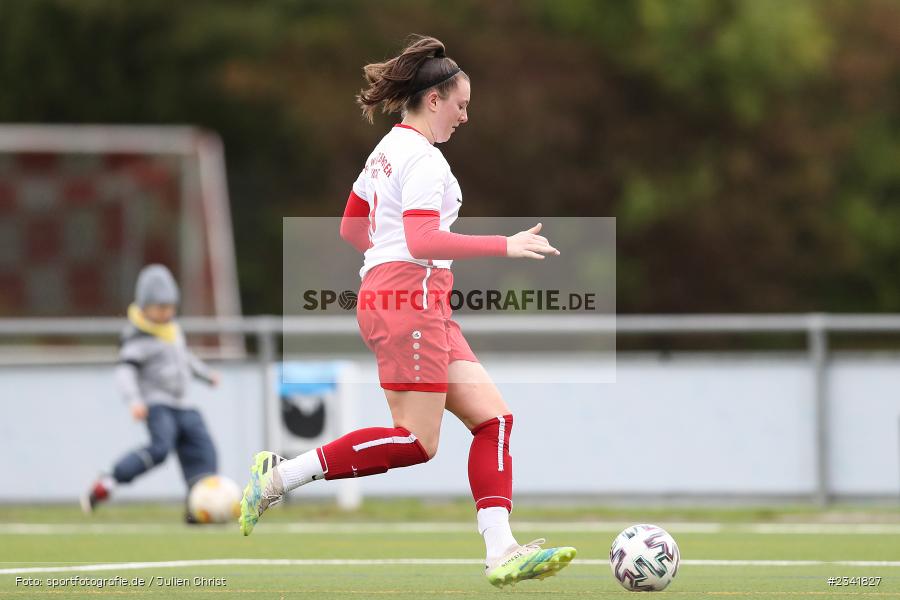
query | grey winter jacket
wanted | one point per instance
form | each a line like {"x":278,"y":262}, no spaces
{"x":154,"y":371}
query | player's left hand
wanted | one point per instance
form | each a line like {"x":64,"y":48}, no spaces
{"x":214,"y":378}
{"x":528,"y":244}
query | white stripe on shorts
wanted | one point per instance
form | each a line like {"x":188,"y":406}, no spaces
{"x":388,"y":440}
{"x":425,"y":287}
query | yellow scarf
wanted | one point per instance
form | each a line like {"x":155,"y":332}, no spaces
{"x":167,"y":332}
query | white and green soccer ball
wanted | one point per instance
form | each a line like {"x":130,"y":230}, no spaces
{"x":215,"y":499}
{"x":644,"y":558}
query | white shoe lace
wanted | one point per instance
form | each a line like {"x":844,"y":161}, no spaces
{"x":516,"y":552}
{"x":535,"y":544}
{"x":270,"y":495}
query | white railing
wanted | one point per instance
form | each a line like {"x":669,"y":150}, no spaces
{"x":266,"y":329}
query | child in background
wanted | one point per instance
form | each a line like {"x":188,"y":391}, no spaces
{"x":154,"y":372}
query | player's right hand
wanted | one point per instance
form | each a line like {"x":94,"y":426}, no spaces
{"x":528,"y":244}
{"x":138,"y":411}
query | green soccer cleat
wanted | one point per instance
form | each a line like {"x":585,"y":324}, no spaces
{"x":528,"y":562}
{"x":264,"y":490}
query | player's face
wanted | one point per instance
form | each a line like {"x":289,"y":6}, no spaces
{"x":159,"y":313}
{"x":452,"y":111}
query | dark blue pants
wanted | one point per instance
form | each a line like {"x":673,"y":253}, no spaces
{"x":181,"y":430}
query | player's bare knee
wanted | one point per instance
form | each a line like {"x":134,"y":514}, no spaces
{"x":431,"y":451}
{"x":430,"y":445}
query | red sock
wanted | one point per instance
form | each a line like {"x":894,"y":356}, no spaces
{"x":100,"y":491}
{"x":490,"y":465}
{"x":370,"y":451}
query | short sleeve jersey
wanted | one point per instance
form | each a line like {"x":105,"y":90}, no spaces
{"x":405,"y":174}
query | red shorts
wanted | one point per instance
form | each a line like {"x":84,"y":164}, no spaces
{"x":404,"y":315}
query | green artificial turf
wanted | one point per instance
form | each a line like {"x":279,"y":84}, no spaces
{"x":53,"y":538}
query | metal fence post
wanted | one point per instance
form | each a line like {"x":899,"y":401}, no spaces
{"x":266,"y":357}
{"x":817,"y":338}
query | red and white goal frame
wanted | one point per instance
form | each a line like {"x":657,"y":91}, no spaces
{"x":83,"y":207}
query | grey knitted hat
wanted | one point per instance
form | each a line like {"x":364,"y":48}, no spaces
{"x":155,"y":285}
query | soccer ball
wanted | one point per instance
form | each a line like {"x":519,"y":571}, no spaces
{"x":644,"y":558}
{"x":215,"y":499}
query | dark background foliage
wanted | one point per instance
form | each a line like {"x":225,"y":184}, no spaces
{"x":750,"y":149}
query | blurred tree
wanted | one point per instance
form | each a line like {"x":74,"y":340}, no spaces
{"x":749,"y":148}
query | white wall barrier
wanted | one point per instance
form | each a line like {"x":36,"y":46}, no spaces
{"x":693,"y":425}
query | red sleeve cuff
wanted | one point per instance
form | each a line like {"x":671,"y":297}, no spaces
{"x":356,"y":206}
{"x":355,"y":224}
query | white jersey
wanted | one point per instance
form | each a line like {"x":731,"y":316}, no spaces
{"x":404,"y":172}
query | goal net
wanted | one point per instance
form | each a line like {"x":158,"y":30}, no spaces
{"x":83,"y":208}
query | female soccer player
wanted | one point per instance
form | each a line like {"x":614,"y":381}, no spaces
{"x":399,"y":214}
